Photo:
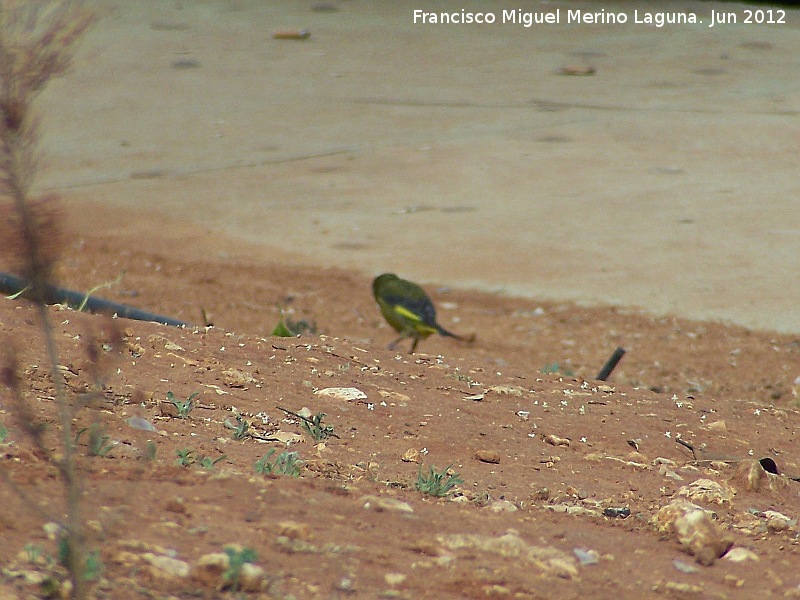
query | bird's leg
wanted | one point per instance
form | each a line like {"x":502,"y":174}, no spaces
{"x":394,"y":343}
{"x":414,"y":345}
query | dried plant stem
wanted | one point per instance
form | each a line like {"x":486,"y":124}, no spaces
{"x":36,"y":40}
{"x":37,"y":270}
{"x":17,"y":164}
{"x":66,"y":465}
{"x":17,"y":169}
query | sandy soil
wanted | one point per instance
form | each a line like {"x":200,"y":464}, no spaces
{"x":565,"y":448}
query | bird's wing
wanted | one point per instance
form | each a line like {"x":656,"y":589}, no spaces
{"x":416,"y":309}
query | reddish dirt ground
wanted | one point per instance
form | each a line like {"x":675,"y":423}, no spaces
{"x":537,"y":520}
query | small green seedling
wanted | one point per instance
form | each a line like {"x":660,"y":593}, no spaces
{"x":316,"y":429}
{"x":19,"y":293}
{"x":150,"y":450}
{"x":236,"y":560}
{"x":64,"y":548}
{"x":281,"y":330}
{"x":241,"y":429}
{"x":93,"y":568}
{"x":90,"y":293}
{"x":556,"y":368}
{"x":287,"y":463}
{"x":99,"y":444}
{"x":184,"y":407}
{"x":435,"y":483}
{"x":92,"y":564}
{"x":208,"y":463}
{"x":465,"y":378}
{"x":313,"y":426}
{"x":185,"y":457}
{"x":34,"y":553}
{"x":3,"y":434}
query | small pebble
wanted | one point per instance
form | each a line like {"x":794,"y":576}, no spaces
{"x":140,"y":423}
{"x":587,"y":557}
{"x":684,"y":567}
{"x":488,"y":456}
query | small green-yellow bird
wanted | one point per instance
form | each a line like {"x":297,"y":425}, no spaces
{"x":408,"y":309}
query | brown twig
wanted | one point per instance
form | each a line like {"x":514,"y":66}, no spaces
{"x":36,"y":44}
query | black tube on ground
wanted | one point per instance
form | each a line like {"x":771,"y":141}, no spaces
{"x":610,"y":364}
{"x":11,"y":284}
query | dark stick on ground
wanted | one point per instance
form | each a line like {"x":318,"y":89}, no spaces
{"x":610,"y":364}
{"x":11,"y":284}
{"x":686,"y":444}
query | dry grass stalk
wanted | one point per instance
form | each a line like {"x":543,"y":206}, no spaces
{"x":37,"y":39}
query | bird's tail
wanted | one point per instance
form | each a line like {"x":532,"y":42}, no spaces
{"x":442,"y":331}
